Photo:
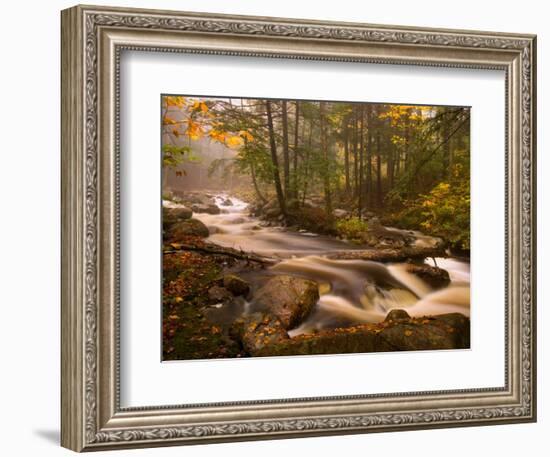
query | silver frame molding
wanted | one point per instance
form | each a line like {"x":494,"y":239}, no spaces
{"x":93,"y":39}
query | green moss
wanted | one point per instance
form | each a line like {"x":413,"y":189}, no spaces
{"x":187,"y":334}
{"x":352,"y":229}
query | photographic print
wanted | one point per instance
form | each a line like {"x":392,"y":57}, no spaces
{"x":301,"y":227}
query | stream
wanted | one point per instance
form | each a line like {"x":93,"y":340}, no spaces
{"x":351,"y":291}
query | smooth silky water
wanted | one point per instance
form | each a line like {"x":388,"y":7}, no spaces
{"x":351,"y":291}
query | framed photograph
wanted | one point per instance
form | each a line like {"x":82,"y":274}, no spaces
{"x":276,"y":228}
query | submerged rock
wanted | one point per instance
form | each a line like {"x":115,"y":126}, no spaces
{"x":433,"y":276}
{"x":189,"y":227}
{"x":289,"y":298}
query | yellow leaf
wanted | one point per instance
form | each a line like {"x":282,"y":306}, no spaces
{"x":168,"y":121}
{"x":217,"y":135}
{"x":246,"y":135}
{"x":194,"y":130}
{"x":179,"y":299}
{"x":200,"y":106}
{"x":408,"y":332}
{"x":178,"y":102}
{"x":234,"y":141}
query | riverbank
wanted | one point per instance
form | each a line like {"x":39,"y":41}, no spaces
{"x":351,"y":289}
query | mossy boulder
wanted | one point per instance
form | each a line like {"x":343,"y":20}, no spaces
{"x":396,"y":333}
{"x":189,"y":227}
{"x":172,"y":215}
{"x":397,"y":315}
{"x":289,"y":298}
{"x":448,"y":331}
{"x":258,"y":331}
{"x":236,"y":285}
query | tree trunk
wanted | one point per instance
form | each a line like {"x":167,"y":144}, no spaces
{"x":361,"y":195}
{"x":286,"y":155}
{"x":445,"y":131}
{"x":390,"y":162}
{"x":306,"y":160}
{"x":346,"y":158}
{"x":378,"y":171}
{"x":274,"y":159}
{"x":370,"y":128}
{"x":326,"y":167}
{"x":295,"y":164}
{"x":355,"y":156}
{"x":255,"y":183}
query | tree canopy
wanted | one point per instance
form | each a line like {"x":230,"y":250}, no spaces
{"x":407,"y":164}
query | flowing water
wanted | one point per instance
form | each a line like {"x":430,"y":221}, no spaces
{"x":352,"y":291}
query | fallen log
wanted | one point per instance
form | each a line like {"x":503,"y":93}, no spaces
{"x":219,"y":250}
{"x":389,"y":254}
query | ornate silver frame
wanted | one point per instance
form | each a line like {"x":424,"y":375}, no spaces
{"x":92,"y":40}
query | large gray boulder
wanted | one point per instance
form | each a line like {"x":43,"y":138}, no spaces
{"x":289,"y":298}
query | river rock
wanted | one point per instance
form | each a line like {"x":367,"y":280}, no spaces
{"x":397,"y":315}
{"x":167,"y":195}
{"x":173,"y":215}
{"x":257,"y":331}
{"x":224,"y":313}
{"x":206,"y":208}
{"x":192,"y":199}
{"x":219,"y":294}
{"x":189,"y":227}
{"x":447,"y":331}
{"x":340,"y":213}
{"x":380,"y":237}
{"x":289,"y":298}
{"x":433,"y":276}
{"x":227,"y":202}
{"x":236,"y":285}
